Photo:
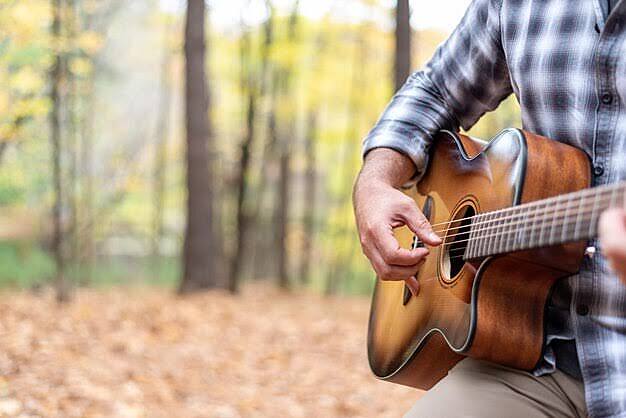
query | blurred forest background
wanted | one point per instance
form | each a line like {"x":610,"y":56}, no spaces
{"x":150,"y":149}
{"x":93,"y":140}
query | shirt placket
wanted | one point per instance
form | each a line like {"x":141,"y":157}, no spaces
{"x":592,"y":355}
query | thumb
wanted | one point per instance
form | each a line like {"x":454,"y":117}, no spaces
{"x":417,"y":222}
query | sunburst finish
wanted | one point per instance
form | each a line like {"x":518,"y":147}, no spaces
{"x":417,"y":342}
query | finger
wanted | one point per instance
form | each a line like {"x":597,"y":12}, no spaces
{"x":417,"y":222}
{"x":612,"y":230}
{"x":390,"y":249}
{"x":413,"y":285}
{"x":386,"y":271}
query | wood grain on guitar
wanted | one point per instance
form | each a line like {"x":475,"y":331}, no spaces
{"x":514,"y":216}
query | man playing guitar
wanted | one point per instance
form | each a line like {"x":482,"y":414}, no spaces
{"x":563,"y":61}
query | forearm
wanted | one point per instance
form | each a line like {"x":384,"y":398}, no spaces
{"x":387,"y":166}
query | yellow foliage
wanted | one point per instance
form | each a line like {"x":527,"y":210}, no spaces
{"x":80,"y":66}
{"x":89,"y":42}
{"x":6,"y":131}
{"x":27,"y":80}
{"x":4,"y":102}
{"x":26,"y":19}
{"x":31,"y":107}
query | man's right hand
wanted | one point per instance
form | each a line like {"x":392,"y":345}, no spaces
{"x":380,"y":207}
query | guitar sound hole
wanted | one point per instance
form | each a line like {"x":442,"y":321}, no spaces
{"x":456,"y":243}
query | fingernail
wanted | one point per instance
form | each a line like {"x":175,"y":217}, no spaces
{"x":434,"y":237}
{"x":413,"y":285}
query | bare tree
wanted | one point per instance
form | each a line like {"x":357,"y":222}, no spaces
{"x":200,"y":260}
{"x":309,"y":194}
{"x":248,"y":84}
{"x":56,"y":79}
{"x":284,"y":165}
{"x":402,"y":58}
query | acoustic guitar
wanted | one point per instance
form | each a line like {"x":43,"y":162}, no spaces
{"x":515,"y":215}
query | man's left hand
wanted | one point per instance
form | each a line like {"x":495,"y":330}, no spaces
{"x":613,"y":239}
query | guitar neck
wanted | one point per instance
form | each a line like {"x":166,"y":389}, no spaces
{"x":557,"y":220}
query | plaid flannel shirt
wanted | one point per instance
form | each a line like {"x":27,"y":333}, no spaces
{"x":563,"y":61}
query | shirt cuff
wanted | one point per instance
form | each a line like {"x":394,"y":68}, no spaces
{"x":416,"y":149}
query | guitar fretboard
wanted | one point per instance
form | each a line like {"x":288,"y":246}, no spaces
{"x":561,"y":219}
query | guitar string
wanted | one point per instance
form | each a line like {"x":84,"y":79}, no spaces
{"x":533,"y":211}
{"x":550,"y":212}
{"x":509,"y":233}
{"x":598,"y":191}
{"x":462,"y":256}
{"x":515,"y":221}
{"x":567,"y":197}
{"x":584,"y":221}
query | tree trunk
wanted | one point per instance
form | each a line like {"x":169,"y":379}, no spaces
{"x":242,"y":190}
{"x":200,"y":268}
{"x":56,"y":74}
{"x":282,"y":216}
{"x":87,"y":233}
{"x":402,"y":62}
{"x":284,"y":164}
{"x":71,"y":107}
{"x":310,"y":201}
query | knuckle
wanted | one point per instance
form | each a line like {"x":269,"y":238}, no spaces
{"x":423,"y":223}
{"x":407,"y":204}
{"x":387,"y":255}
{"x":393,"y":257}
{"x":385,"y":273}
{"x":369,"y":230}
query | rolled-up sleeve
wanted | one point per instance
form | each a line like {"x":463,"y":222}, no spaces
{"x":466,"y":77}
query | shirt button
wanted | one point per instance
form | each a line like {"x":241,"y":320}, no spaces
{"x":598,"y":170}
{"x":606,"y":98}
{"x":582,"y":310}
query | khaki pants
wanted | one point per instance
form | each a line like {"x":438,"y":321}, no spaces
{"x":477,"y":389}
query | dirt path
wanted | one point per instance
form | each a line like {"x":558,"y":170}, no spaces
{"x":146,"y":353}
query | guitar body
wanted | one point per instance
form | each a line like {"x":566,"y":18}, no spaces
{"x":491,"y":308}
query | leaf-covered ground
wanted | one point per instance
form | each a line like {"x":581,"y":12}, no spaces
{"x":148,"y":353}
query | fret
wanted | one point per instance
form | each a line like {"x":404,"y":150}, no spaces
{"x":542,"y":228}
{"x":484,"y":242}
{"x":502,"y":221}
{"x":469,"y":250}
{"x":508,"y":230}
{"x":481,"y":234}
{"x":555,"y":212}
{"x":514,"y":226}
{"x":593,"y":217}
{"x":488,"y":234}
{"x":474,"y":237}
{"x":515,"y":238}
{"x":533,"y":227}
{"x":565,"y":223}
{"x":578,"y":218}
{"x":494,"y":244}
{"x":519,"y":231}
{"x":526,"y":226}
{"x":504,"y":232}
